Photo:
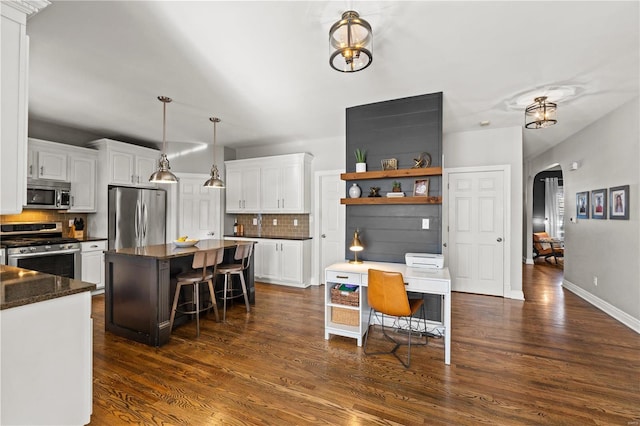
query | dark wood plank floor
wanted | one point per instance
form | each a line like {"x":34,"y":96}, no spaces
{"x":552,"y":360}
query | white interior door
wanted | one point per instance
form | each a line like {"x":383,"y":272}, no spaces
{"x":331,"y":221}
{"x":199,"y":208}
{"x":477,"y":232}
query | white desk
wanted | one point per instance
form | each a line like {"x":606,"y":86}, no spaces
{"x":419,"y":280}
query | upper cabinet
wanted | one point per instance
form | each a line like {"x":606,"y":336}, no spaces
{"x":277,"y":184}
{"x":46,"y":161}
{"x":14,"y":78}
{"x":58,"y":161}
{"x":127,"y":164}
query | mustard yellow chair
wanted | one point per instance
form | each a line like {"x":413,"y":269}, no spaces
{"x":387,"y":295}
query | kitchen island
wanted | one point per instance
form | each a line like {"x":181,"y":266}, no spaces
{"x":46,"y":374}
{"x":140,"y":283}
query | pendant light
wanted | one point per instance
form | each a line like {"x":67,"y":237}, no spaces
{"x":351,"y":41}
{"x":163,"y":174}
{"x":214,"y":181}
{"x":540,"y":114}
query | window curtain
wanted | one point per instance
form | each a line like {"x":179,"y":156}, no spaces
{"x":552,"y":208}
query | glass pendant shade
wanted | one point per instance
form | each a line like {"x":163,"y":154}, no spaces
{"x":214,"y":181}
{"x":163,"y":174}
{"x":540,"y":114}
{"x":351,"y":43}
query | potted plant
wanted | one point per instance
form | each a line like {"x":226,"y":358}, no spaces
{"x":396,"y":186}
{"x":361,"y":158}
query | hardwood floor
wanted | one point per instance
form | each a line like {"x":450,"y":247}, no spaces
{"x":552,"y":360}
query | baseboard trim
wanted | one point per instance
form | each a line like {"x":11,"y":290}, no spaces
{"x":515,"y":294}
{"x":529,"y":261}
{"x":606,"y":307}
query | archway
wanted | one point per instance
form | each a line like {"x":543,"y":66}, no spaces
{"x":547,"y":217}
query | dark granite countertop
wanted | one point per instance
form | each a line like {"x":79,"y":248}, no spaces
{"x":89,"y":239}
{"x":268,"y":237}
{"x":168,"y":251}
{"x":19,"y":287}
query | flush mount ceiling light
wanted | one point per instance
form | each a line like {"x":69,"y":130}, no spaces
{"x":163,"y":174}
{"x":214,"y":181}
{"x":351,"y":43}
{"x":540,"y":114}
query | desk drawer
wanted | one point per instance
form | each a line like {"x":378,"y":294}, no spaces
{"x":342,"y":277}
{"x":428,"y":286}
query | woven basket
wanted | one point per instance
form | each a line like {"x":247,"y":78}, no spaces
{"x":345,"y":316}
{"x":348,"y":298}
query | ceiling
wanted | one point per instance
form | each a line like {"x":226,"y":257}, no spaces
{"x":263,"y":67}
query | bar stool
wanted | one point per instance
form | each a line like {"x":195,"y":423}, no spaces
{"x":243,"y":254}
{"x":201,"y":261}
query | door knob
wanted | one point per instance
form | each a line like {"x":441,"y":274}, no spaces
{"x":324,"y":235}
{"x":499,"y":239}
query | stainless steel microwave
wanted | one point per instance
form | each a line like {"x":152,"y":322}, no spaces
{"x":48,"y":194}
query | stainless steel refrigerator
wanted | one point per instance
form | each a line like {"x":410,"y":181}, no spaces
{"x":137,"y":217}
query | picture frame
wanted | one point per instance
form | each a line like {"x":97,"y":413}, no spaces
{"x":619,"y":202}
{"x":582,"y":205}
{"x":421,"y":188}
{"x":599,"y":204}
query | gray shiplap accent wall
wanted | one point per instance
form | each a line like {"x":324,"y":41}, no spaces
{"x":400,"y":129}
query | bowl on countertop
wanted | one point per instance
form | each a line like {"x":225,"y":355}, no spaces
{"x":187,"y":243}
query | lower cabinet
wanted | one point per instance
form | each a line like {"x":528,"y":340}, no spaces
{"x":93,"y":262}
{"x":280,"y":261}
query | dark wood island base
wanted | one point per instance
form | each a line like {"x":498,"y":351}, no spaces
{"x":140,"y":282}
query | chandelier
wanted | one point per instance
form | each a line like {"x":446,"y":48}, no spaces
{"x":540,"y":114}
{"x":351,"y":42}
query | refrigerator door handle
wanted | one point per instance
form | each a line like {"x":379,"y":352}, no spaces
{"x":136,"y":222}
{"x":144,"y":221}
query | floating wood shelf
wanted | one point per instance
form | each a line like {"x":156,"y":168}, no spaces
{"x":391,"y":200}
{"x":382,"y":174}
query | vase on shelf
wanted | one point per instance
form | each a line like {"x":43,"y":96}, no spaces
{"x":361,"y":167}
{"x":355,"y":191}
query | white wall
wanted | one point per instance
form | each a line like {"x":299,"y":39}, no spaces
{"x":608,"y":154}
{"x":493,"y":147}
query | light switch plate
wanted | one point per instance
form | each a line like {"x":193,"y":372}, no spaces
{"x":255,"y":220}
{"x":425,"y":223}
{"x":275,"y":222}
{"x":295,"y":222}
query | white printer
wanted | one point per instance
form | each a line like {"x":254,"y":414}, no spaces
{"x":424,"y":260}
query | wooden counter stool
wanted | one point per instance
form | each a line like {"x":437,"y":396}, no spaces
{"x":201,"y":261}
{"x":243,"y":254}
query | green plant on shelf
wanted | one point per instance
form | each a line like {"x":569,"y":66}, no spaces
{"x":361,"y":155}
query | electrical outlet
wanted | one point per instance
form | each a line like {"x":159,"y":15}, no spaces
{"x":425,"y":223}
{"x":295,"y":222}
{"x":255,"y":221}
{"x":70,"y":223}
{"x":275,"y":222}
{"x":595,"y":280}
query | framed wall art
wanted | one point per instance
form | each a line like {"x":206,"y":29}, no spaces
{"x":599,"y":204}
{"x":582,"y":205}
{"x":421,"y":188}
{"x":619,"y":202}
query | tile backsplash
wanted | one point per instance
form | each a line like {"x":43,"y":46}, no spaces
{"x":287,"y":225}
{"x":45,"y":216}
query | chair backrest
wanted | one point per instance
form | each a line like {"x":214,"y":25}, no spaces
{"x":243,"y":252}
{"x":202,"y":259}
{"x":386,"y":293}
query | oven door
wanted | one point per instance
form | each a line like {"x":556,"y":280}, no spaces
{"x":64,"y":263}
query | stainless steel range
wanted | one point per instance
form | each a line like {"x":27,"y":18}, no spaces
{"x":40,"y":246}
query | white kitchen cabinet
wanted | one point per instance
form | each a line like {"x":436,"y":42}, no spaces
{"x":14,"y":75}
{"x":77,"y":165}
{"x":83,"y":178}
{"x":284,"y":262}
{"x":284,"y":184}
{"x":276,"y":184}
{"x":127,"y":164}
{"x":242,"y":188}
{"x":92,"y":253}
